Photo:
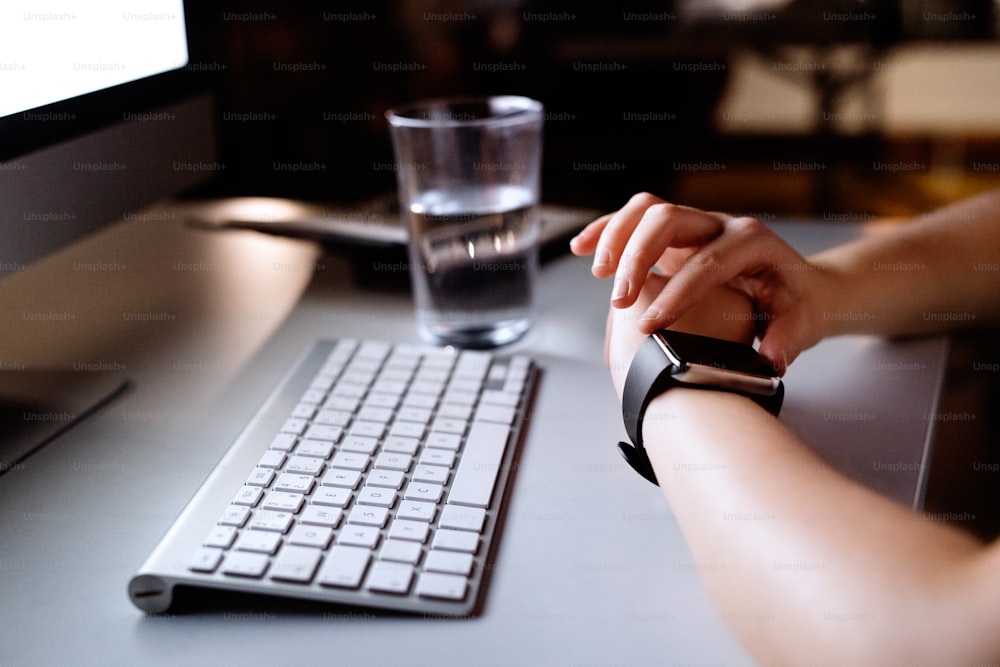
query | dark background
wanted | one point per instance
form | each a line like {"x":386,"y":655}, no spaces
{"x":303,"y":87}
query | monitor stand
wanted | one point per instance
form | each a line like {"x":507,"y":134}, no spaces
{"x":38,"y":405}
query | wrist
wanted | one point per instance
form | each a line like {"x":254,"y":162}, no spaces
{"x":670,"y":361}
{"x":673,"y":413}
{"x":833,"y":302}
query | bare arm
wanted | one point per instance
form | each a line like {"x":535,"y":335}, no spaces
{"x":930,"y":274}
{"x":807,"y":566}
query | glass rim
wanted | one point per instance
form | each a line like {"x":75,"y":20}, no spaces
{"x":509,"y":109}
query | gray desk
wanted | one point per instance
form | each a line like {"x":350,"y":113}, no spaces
{"x":591,"y":569}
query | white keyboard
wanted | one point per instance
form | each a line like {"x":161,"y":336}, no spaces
{"x":375,"y":475}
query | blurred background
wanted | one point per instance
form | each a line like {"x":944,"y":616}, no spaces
{"x":842,"y":111}
{"x":846,"y":109}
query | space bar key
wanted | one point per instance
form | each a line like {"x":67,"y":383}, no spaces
{"x":477,"y":471}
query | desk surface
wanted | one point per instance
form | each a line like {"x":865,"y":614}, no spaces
{"x":591,"y":569}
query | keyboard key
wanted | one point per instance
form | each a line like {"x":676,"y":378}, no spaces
{"x":374,"y":413}
{"x":359,"y":536}
{"x":311,"y":536}
{"x":347,"y":479}
{"x":390,"y":387}
{"x":221,"y":537}
{"x":272,"y":458}
{"x":260,"y":477}
{"x":277,"y":522}
{"x":318,"y":448}
{"x":377,"y":496}
{"x":414,"y":414}
{"x":405,"y":529}
{"x":463,"y":518}
{"x":449,"y":441}
{"x":437,"y":457}
{"x":333,"y":496}
{"x":455,"y":411}
{"x":206,"y":559}
{"x":401,"y":445}
{"x":282,"y":501}
{"x":258,"y":541}
{"x":390,"y":479}
{"x":304,"y":411}
{"x":448,"y":425}
{"x":294,"y":482}
{"x":367,"y":429}
{"x":477,"y":472}
{"x":449,"y":562}
{"x":472,"y":365}
{"x":393,"y":461}
{"x":389,"y":577}
{"x":416,"y":510}
{"x":400,"y":551}
{"x":389,"y":401}
{"x":350,"y":461}
{"x":248,"y":495}
{"x":284,"y":442}
{"x":368,"y":516}
{"x":496,"y":413}
{"x":344,"y":567}
{"x":497,"y":397}
{"x":304,"y":465}
{"x":337,"y":411}
{"x":455,"y":540}
{"x":245,"y":564}
{"x":422,"y":396}
{"x":444,"y":586}
{"x":324,"y":432}
{"x":235,"y":515}
{"x":426,"y":473}
{"x":349,"y":390}
{"x":313,"y":396}
{"x":360,"y":444}
{"x":408,"y":429}
{"x":296,"y":564}
{"x":424,"y":491}
{"x":317,"y":515}
{"x":294,"y":426}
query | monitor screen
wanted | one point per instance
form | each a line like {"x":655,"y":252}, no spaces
{"x":53,"y":51}
{"x":99,"y":116}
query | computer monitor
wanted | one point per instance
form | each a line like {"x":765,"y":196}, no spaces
{"x":100,"y":115}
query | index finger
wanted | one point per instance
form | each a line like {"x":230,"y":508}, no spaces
{"x":663,"y":226}
{"x":741,"y":251}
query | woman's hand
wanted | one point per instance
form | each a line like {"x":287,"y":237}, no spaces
{"x":703,"y":251}
{"x":721,"y":313}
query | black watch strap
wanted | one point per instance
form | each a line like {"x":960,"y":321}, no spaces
{"x":650,"y":374}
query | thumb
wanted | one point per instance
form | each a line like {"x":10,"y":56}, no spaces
{"x":781,"y":344}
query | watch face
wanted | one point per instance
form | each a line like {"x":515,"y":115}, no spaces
{"x":692,"y":349}
{"x":711,"y":362}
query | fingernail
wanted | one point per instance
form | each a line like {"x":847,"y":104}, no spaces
{"x":602,"y":259}
{"x":651,"y":314}
{"x":621,"y":289}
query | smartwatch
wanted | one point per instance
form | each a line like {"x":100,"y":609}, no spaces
{"x":675,"y":359}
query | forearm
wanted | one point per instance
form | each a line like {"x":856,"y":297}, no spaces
{"x":806,"y":566}
{"x":937,"y":272}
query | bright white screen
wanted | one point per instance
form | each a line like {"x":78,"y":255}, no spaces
{"x":51,"y":50}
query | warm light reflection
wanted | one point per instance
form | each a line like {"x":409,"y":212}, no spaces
{"x":260,"y":209}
